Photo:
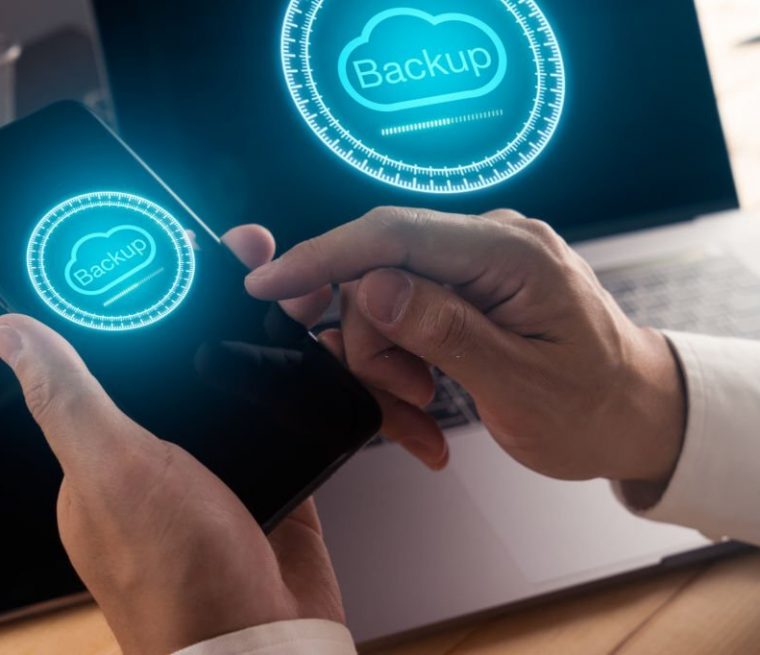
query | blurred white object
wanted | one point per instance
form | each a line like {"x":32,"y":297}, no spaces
{"x":726,"y":24}
{"x":9,"y":54}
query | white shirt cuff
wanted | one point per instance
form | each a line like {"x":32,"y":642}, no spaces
{"x":716,"y":485}
{"x":303,"y":637}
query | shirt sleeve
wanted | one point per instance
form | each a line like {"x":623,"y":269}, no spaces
{"x":303,"y":637}
{"x":716,"y":485}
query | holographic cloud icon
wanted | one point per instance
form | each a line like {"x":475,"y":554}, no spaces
{"x":102,"y":260}
{"x":446,"y":58}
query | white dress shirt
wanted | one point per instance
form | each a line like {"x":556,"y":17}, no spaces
{"x":305,"y":637}
{"x":715,"y":487}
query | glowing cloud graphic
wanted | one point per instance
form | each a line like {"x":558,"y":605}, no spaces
{"x":473,"y":71}
{"x":102,"y":260}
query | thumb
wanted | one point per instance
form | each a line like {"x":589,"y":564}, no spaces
{"x":432,"y":322}
{"x":79,"y":420}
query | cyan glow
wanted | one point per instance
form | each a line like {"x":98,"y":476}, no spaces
{"x":422,"y":64}
{"x":447,"y":102}
{"x":110,"y":261}
{"x":150,"y":243}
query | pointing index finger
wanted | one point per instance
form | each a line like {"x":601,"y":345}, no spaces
{"x":432,"y":244}
{"x":253,"y":244}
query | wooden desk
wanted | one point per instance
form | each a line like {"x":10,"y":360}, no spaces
{"x":703,"y":610}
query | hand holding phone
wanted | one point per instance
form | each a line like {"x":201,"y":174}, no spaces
{"x":94,"y":245}
{"x":170,"y":554}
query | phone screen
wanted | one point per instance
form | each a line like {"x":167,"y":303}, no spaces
{"x":93,"y":244}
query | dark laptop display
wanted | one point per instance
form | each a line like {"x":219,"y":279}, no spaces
{"x":201,"y":93}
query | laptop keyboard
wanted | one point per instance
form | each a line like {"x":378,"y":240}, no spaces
{"x":715,"y":295}
{"x":706,"y":294}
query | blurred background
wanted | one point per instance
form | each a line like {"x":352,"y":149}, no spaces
{"x":49,"y":51}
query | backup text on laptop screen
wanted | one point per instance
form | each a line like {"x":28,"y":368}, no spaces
{"x":595,"y":115}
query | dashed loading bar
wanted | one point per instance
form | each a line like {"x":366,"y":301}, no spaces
{"x":442,"y":122}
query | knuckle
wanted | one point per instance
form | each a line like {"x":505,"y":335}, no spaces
{"x":506,"y":215}
{"x":550,"y":244}
{"x":400,"y":221}
{"x":41,"y":398}
{"x":585,"y":268}
{"x":420,"y":219}
{"x":389,"y":224}
{"x":542,"y":230}
{"x":400,"y":227}
{"x":446,"y":327}
{"x":54,"y":402}
{"x":386,"y":216}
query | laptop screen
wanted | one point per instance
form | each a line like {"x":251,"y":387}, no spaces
{"x":597,"y":116}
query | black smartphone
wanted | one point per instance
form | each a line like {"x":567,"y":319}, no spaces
{"x":95,"y":245}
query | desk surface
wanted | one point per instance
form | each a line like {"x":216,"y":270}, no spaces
{"x":701,"y":610}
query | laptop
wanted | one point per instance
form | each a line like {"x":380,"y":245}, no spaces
{"x":232,"y":103}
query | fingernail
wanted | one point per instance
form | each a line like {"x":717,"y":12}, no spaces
{"x":439,"y":458}
{"x":263,"y":271}
{"x":432,"y":454}
{"x":10,"y":345}
{"x":255,"y":278}
{"x":386,"y":295}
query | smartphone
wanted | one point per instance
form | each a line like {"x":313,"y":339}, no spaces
{"x":96,"y":246}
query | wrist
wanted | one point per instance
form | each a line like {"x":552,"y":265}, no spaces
{"x":654,"y":425}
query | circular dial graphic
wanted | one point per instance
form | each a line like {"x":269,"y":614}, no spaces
{"x":436,"y":96}
{"x":110,"y":261}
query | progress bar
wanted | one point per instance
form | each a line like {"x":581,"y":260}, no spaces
{"x":132,"y":288}
{"x":442,"y":122}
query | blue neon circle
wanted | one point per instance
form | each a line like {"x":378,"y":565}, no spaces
{"x":82,"y":216}
{"x":438,"y":140}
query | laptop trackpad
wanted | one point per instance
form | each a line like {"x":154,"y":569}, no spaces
{"x":553,"y":528}
{"x":410,"y":546}
{"x":413,"y":547}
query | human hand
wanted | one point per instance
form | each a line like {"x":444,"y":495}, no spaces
{"x":563,"y":380}
{"x":166,"y":549}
